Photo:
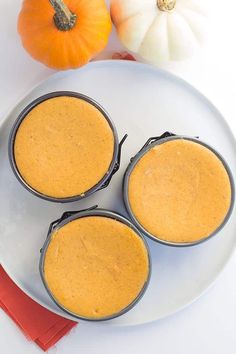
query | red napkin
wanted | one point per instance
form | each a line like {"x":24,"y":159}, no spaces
{"x":123,"y":56}
{"x":37,"y":323}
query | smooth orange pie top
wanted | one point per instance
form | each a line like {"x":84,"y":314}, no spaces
{"x":179,"y":191}
{"x":96,"y":266}
{"x":63,"y":147}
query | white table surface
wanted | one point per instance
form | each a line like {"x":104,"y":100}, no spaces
{"x":207,"y":326}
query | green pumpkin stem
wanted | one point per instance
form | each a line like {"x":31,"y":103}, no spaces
{"x":64,"y":19}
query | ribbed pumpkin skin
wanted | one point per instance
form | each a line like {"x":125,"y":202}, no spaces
{"x":64,"y":49}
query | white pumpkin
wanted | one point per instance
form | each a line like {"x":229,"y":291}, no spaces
{"x":160,"y":30}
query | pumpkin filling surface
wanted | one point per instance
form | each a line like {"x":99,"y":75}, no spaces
{"x":63,"y":147}
{"x":95,"y":266}
{"x":179,"y":191}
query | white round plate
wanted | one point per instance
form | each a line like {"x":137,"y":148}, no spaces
{"x":142,"y":101}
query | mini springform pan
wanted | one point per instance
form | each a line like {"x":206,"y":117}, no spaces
{"x":178,"y":190}
{"x":51,"y":131}
{"x":95,"y":264}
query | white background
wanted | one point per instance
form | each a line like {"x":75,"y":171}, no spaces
{"x":208,"y":326}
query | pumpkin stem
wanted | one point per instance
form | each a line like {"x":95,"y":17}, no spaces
{"x":166,"y":5}
{"x":64,"y":19}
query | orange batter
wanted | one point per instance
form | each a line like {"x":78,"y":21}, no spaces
{"x":96,"y":266}
{"x":179,"y":191}
{"x":63,"y":147}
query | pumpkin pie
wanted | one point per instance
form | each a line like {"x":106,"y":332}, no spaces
{"x":63,"y":147}
{"x":179,"y":191}
{"x":95,"y":266}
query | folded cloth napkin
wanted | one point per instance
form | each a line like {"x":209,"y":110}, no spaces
{"x":123,"y":56}
{"x":37,"y":323}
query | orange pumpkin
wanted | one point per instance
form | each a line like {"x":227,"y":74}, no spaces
{"x":64,"y":34}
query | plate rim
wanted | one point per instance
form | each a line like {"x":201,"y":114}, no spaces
{"x":171,"y":77}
